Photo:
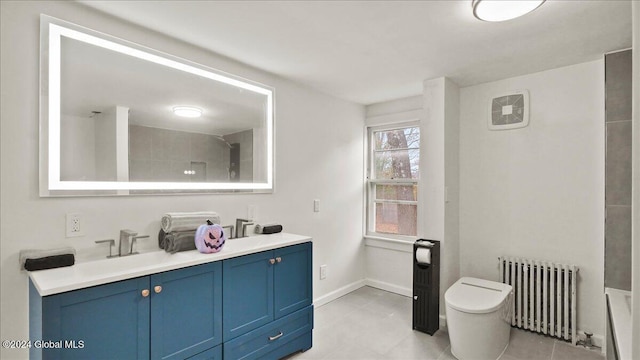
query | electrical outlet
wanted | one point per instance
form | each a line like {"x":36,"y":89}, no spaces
{"x":316,"y":205}
{"x":75,"y":227}
{"x":323,"y":272}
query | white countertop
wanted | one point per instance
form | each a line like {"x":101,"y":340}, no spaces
{"x":98,"y":272}
{"x":620,"y":305}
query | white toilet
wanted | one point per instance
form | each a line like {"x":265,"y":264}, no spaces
{"x":478,"y":318}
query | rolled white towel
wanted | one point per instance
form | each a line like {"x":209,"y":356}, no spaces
{"x":182,"y":221}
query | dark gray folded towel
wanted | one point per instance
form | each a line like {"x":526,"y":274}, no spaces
{"x":179,"y":241}
{"x":46,"y":259}
{"x":161,"y":237}
{"x":49,"y":262}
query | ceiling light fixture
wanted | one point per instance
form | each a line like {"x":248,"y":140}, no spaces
{"x":187,"y":111}
{"x":501,"y":10}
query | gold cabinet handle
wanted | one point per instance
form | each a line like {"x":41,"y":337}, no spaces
{"x":145,"y":292}
{"x":278,"y":259}
{"x":272,"y":261}
{"x":157,"y":289}
{"x":271,"y":338}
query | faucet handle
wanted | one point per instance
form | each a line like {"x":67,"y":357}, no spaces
{"x":244,"y":228}
{"x":127,"y":233}
{"x":230,"y":232}
{"x":111,"y":243}
{"x":133,"y":241}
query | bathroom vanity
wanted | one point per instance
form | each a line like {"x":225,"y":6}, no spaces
{"x":251,"y":300}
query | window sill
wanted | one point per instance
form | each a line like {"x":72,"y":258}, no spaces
{"x":388,"y":243}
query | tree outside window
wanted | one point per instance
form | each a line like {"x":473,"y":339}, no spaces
{"x":393,"y":180}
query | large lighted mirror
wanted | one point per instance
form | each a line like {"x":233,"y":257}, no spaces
{"x":118,"y":119}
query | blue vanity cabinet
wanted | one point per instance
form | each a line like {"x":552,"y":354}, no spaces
{"x":247,"y":293}
{"x":103,"y":322}
{"x":211,"y":354}
{"x":171,"y":315}
{"x":256,"y":306}
{"x":267,"y":303}
{"x":292,"y":279}
{"x":186,"y":311}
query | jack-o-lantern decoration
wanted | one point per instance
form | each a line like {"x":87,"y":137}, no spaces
{"x":210,"y":238}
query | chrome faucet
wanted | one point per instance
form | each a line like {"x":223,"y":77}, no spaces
{"x":241,"y":227}
{"x":127,"y":240}
{"x":229,"y":232}
{"x":244,"y":228}
{"x":124,"y":248}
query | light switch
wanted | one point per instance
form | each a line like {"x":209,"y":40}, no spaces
{"x":251,"y":212}
{"x":316,"y":205}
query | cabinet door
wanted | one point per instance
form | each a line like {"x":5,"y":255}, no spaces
{"x":247,"y":293}
{"x":186,"y":311}
{"x":104,"y":322}
{"x":292,"y":279}
{"x":211,"y":354}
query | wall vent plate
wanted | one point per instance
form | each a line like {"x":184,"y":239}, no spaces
{"x":509,"y":110}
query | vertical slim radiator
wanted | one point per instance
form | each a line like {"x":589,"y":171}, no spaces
{"x":544,"y":296}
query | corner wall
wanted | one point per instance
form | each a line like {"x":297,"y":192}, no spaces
{"x":440,"y":177}
{"x":538,"y":192}
{"x":635,"y":222}
{"x":318,"y":150}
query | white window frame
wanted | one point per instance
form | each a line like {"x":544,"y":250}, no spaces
{"x":371,"y":182}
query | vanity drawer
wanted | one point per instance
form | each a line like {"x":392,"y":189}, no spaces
{"x":262,"y":341}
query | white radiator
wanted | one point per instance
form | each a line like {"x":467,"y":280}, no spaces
{"x":544,"y":296}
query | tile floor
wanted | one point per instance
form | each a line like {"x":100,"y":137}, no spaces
{"x":374,"y":324}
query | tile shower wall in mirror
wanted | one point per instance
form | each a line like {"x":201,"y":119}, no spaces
{"x":154,"y":154}
{"x":618,"y":170}
{"x":161,"y":154}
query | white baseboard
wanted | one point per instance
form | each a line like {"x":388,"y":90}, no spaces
{"x":389,"y":287}
{"x":324,"y":299}
{"x":400,"y":291}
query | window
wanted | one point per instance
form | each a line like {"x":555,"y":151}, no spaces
{"x":393,"y":173}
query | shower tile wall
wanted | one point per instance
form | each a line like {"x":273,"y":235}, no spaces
{"x":618,"y":170}
{"x":245,"y":140}
{"x":164,"y":155}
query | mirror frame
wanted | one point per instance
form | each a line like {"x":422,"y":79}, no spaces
{"x":51,"y":32}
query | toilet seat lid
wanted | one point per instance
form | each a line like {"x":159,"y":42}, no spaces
{"x":476,"y":296}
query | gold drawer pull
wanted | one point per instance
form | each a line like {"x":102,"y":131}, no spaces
{"x":145,"y":292}
{"x":272,"y":261}
{"x":278,"y":259}
{"x":157,"y":289}
{"x":271,"y":338}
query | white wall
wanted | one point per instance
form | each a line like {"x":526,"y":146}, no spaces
{"x":318,"y":156}
{"x":77,"y":148}
{"x":635,"y":285}
{"x":538,"y":192}
{"x":106,"y":140}
{"x":389,"y":264}
{"x":450,"y":267}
